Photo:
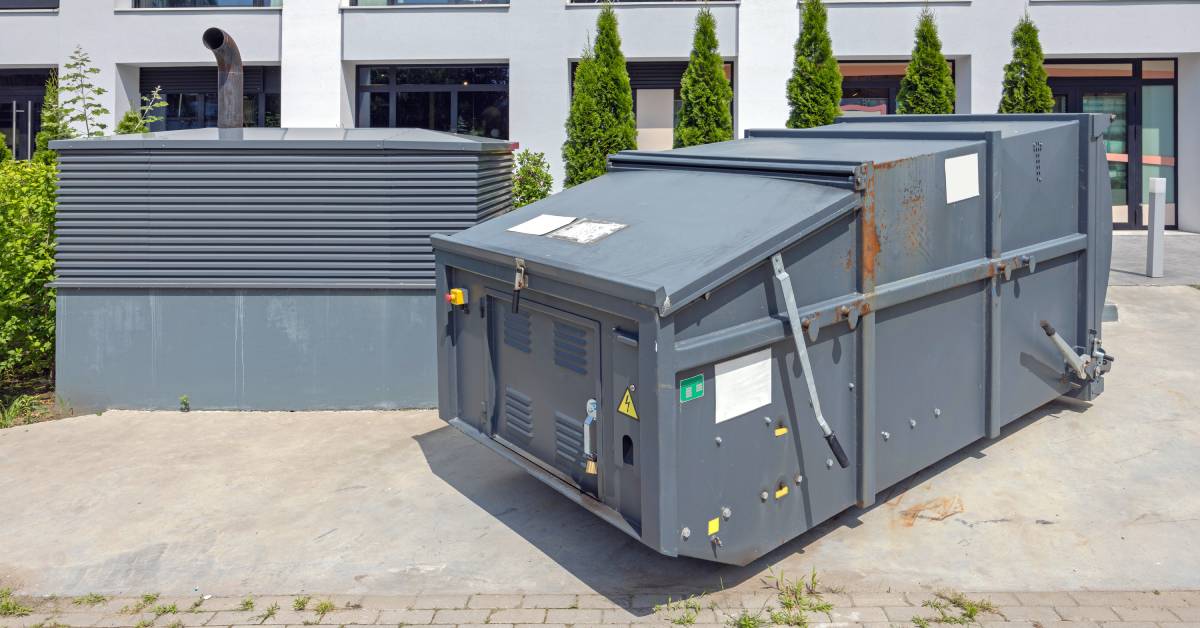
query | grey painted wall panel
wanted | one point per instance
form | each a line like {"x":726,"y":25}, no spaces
{"x":246,"y":349}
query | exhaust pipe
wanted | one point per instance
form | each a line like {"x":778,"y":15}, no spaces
{"x":229,"y":77}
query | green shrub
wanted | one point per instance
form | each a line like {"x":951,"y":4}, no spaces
{"x":601,"y":120}
{"x":27,"y":196}
{"x":814,"y":92}
{"x":54,"y":124}
{"x":5,"y":153}
{"x":705,"y":116}
{"x":1026,"y":89}
{"x":531,"y":178}
{"x":139,"y":119}
{"x":927,"y":86}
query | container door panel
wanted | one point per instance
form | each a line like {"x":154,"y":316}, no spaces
{"x":547,"y":368}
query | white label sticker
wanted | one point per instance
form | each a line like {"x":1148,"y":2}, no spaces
{"x":586,"y":230}
{"x":542,"y":224}
{"x":962,"y":178}
{"x":742,"y":384}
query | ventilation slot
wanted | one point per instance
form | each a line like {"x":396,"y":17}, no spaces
{"x":516,"y":331}
{"x":568,"y":443}
{"x":570,"y":347}
{"x":518,"y":416}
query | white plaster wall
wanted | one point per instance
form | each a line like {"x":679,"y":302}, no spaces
{"x":312,"y":84}
{"x":767,"y":32}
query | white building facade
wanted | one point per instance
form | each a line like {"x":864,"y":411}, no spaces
{"x":503,"y":68}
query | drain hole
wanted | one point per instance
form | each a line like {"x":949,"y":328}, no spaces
{"x":627,"y":449}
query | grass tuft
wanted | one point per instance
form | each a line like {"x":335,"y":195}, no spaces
{"x":146,"y":601}
{"x":91,"y":599}
{"x":954,"y":608}
{"x":747,"y":619}
{"x":681,"y":613}
{"x":247,"y":604}
{"x":10,"y":607}
{"x":798,"y":600}
{"x":300,"y":603}
{"x":268,"y":614}
{"x":323,"y":608}
{"x":165,"y":609}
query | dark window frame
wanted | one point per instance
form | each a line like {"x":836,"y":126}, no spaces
{"x":1072,"y":87}
{"x":890,"y":83}
{"x":362,"y":113}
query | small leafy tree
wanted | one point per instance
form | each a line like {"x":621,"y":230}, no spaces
{"x":927,"y":86}
{"x":55,"y":125}
{"x":27,"y":193}
{"x":83,"y":101}
{"x":138,"y":120}
{"x":601,"y":120}
{"x":531,"y":178}
{"x":1026,"y":89}
{"x":814,"y":91}
{"x":705,"y":116}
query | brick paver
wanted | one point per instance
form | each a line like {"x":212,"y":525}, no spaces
{"x":1088,"y":609}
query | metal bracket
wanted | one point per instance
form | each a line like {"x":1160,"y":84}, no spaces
{"x":793,"y":312}
{"x":589,"y":456}
{"x":519,"y":281}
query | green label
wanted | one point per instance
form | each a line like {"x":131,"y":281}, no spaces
{"x":691,"y":388}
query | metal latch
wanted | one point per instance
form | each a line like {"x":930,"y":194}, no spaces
{"x":589,"y":456}
{"x":793,"y":312}
{"x":519,"y":281}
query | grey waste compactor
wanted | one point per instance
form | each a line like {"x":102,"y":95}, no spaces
{"x":720,"y":347}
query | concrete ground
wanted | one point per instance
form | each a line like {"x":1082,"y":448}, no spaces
{"x":1181,"y":259}
{"x":1071,"y":498}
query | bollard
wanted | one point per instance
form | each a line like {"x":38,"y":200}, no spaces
{"x":1155,"y":224}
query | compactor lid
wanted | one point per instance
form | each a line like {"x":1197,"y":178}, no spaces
{"x":660,"y":238}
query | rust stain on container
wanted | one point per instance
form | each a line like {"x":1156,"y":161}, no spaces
{"x":870,"y":234}
{"x":914,"y":217}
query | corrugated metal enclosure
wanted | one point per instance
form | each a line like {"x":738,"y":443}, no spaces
{"x":260,"y":268}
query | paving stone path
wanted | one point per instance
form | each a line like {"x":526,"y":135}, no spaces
{"x":1094,"y":609}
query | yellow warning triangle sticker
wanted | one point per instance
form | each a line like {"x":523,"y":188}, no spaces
{"x":626,"y":406}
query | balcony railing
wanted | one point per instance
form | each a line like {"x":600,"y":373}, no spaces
{"x":203,"y":4}
{"x":17,"y":5}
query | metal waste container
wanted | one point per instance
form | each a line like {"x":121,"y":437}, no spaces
{"x":720,"y":347}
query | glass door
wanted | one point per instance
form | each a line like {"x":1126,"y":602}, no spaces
{"x":1118,"y":140}
{"x":17,"y":123}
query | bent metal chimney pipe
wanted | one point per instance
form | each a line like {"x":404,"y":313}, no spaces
{"x":229,"y":77}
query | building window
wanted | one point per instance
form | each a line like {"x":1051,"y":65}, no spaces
{"x":467,"y":99}
{"x":392,"y":3}
{"x":1140,"y":95}
{"x":17,"y":5}
{"x":191,"y":96}
{"x":21,"y":96}
{"x":869,"y":88}
{"x":202,"y":4}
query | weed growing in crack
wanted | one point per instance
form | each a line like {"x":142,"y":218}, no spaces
{"x":10,"y":607}
{"x":954,"y":608}
{"x":268,"y":614}
{"x":91,"y":599}
{"x":681,"y":613}
{"x":247,"y":604}
{"x":300,"y":603}
{"x":146,"y":601}
{"x":797,"y":600}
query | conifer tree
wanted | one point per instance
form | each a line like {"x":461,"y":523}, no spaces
{"x":814,"y":91}
{"x":1025,"y":82}
{"x":54,"y":123}
{"x":601,"y":120}
{"x":705,"y":116}
{"x":927,"y":86}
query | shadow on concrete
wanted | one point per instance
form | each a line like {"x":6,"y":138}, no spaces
{"x":604,"y":558}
